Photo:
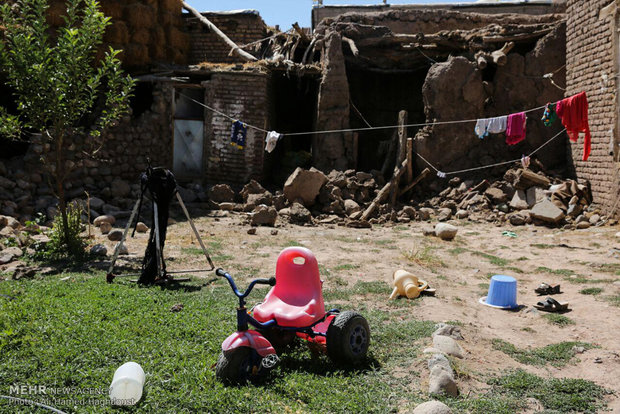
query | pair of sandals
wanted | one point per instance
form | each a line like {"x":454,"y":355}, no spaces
{"x":550,"y":304}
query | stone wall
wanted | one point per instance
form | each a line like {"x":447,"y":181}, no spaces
{"x":243,"y":95}
{"x":148,"y":31}
{"x":591,"y":68}
{"x":241,"y":27}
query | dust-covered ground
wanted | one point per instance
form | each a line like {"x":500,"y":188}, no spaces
{"x":585,"y":262}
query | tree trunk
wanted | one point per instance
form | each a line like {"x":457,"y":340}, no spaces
{"x":60,"y":188}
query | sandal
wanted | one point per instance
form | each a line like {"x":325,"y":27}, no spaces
{"x":547,"y":289}
{"x":551,"y":305}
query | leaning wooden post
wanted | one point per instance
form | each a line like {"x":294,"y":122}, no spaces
{"x":402,"y":137}
{"x":409,"y":160}
{"x":235,"y":48}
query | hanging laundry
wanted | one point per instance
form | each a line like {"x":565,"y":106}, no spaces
{"x":271,"y":140}
{"x":525,"y":161}
{"x":574,"y":114}
{"x":549,"y":116}
{"x":486,"y":126}
{"x":515,"y":128}
{"x":441,"y":174}
{"x":238,"y":134}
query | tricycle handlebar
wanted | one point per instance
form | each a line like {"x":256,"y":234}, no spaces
{"x":220,"y":272}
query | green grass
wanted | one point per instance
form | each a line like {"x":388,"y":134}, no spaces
{"x":75,"y":333}
{"x":457,"y":250}
{"x":591,"y":291}
{"x":564,"y":395}
{"x":425,"y":256}
{"x":561,"y":272}
{"x":514,"y":269}
{"x":614,"y":300}
{"x":555,"y":354}
{"x":346,"y":266}
{"x":494,"y":260}
{"x":522,"y":258}
{"x":559,"y":320}
{"x":193,"y":251}
{"x":542,"y":246}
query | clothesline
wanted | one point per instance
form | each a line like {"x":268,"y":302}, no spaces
{"x":332,"y":131}
{"x":443,"y":174}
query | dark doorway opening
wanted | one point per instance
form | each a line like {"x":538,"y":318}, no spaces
{"x":142,"y":98}
{"x":377,"y":96}
{"x":292,"y":109}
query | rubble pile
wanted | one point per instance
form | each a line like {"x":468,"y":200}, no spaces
{"x":520,"y":197}
{"x":15,"y":241}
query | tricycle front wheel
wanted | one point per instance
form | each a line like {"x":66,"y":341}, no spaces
{"x":237,"y":366}
{"x":348,"y":338}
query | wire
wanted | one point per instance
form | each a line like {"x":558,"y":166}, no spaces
{"x":359,"y":113}
{"x":222,"y":113}
{"x":491,"y":165}
{"x":263,"y":39}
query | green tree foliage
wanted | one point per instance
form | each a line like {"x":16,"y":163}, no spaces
{"x":61,"y":89}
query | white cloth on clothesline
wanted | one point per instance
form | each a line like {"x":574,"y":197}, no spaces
{"x":271,"y":141}
{"x":486,"y":126}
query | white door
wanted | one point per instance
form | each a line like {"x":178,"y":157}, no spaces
{"x":188,"y":141}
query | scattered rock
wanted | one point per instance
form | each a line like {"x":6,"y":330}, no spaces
{"x":519,"y":200}
{"x":351,"y":207}
{"x":425,"y":213}
{"x":274,"y":232}
{"x":428,"y":231}
{"x":227,"y":206}
{"x":594,"y":218}
{"x":496,"y":195}
{"x":105,"y":227}
{"x":222,"y":193}
{"x":445,"y":231}
{"x":452,"y":331}
{"x":253,"y":187}
{"x":441,"y":382}
{"x":177,"y":307}
{"x":96,"y":203}
{"x":305,"y":185}
{"x":447,"y":345}
{"x":6,"y":257}
{"x":99,"y":250}
{"x":107,"y":218}
{"x":122,"y":249}
{"x":115,"y":235}
{"x":264,"y":216}
{"x":547,"y":211}
{"x":299,"y":214}
{"x":141,"y":227}
{"x":432,"y":407}
{"x":578,"y":349}
{"x":444,"y":214}
{"x":13,"y":223}
{"x":517,"y":219}
{"x":440,"y":360}
{"x":252,"y":230}
{"x":461,"y":214}
{"x":583,"y":225}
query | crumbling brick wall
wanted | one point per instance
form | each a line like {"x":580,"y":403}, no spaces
{"x":591,"y":68}
{"x":148,"y":31}
{"x":242,"y":28}
{"x":242,"y":95}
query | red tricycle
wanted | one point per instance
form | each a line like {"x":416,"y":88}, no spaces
{"x":293,"y":308}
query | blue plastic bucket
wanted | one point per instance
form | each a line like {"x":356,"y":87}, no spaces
{"x":502,"y":293}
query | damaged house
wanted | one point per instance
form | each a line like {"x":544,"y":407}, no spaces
{"x":352,"y":74}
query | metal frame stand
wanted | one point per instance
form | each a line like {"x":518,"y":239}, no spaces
{"x":163,"y":275}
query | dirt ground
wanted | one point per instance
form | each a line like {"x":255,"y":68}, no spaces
{"x":459,"y":270}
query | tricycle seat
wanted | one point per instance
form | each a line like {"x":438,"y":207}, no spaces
{"x":297,"y":299}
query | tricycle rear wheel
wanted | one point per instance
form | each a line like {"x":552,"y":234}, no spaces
{"x":348,"y":338}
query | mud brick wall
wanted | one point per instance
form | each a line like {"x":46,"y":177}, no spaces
{"x":205,"y":46}
{"x":590,"y":68}
{"x":243,"y":96}
{"x":148,"y":31}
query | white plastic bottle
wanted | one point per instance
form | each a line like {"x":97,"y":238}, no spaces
{"x":127,"y":384}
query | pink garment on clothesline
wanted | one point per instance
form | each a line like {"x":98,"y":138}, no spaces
{"x":515,"y":128}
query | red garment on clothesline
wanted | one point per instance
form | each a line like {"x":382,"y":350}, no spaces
{"x":573,"y":112}
{"x":515,"y":128}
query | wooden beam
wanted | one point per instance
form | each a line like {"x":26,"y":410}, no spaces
{"x":500,"y":57}
{"x":383,"y":193}
{"x":409,"y":160}
{"x":402,"y":137}
{"x":300,"y":32}
{"x":419,"y":178}
{"x":516,"y":37}
{"x":235,"y":48}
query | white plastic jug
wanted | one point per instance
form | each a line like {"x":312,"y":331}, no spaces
{"x":127,"y":384}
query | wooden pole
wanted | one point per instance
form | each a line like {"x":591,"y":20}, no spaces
{"x":402,"y":137}
{"x":409,"y":160}
{"x":383,"y":193}
{"x":236,"y":49}
{"x":419,"y":178}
